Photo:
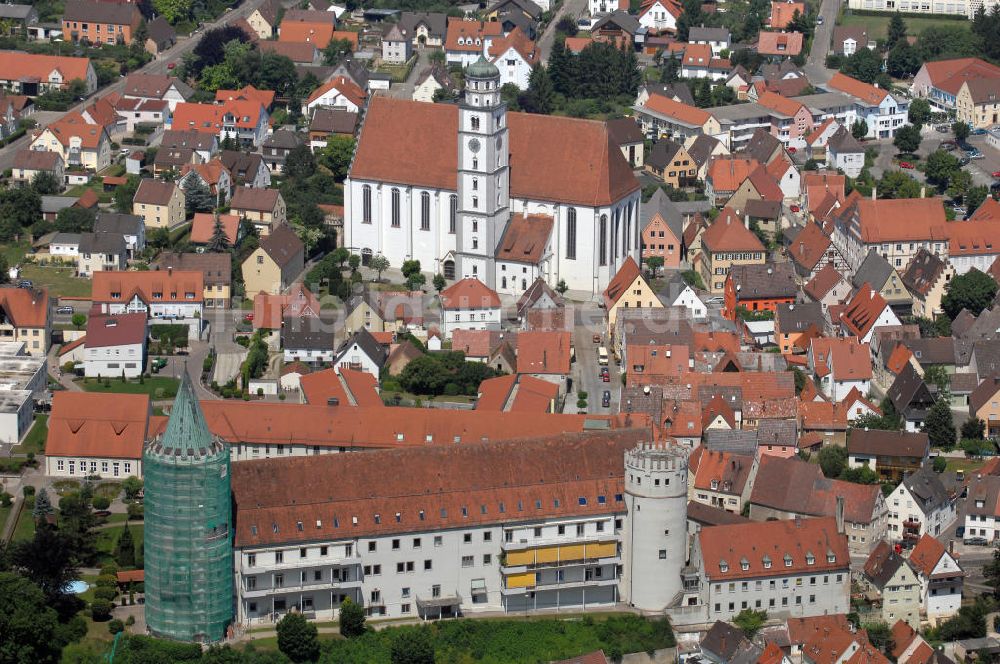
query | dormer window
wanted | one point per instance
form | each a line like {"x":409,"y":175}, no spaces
{"x":767,"y":562}
{"x":715,"y":484}
{"x":744,"y":564}
{"x":831,"y":557}
{"x":810,"y":558}
{"x":723,"y":566}
{"x":788,"y":560}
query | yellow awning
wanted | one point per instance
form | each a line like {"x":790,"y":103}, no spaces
{"x":547,"y":554}
{"x":571,"y":552}
{"x":602,"y":550}
{"x":521,"y":580}
{"x":515,"y":558}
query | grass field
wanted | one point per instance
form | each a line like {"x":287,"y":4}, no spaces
{"x":25,"y":528}
{"x":58,"y":280}
{"x":877,"y":25}
{"x":968,"y":465}
{"x":35,"y":440}
{"x":149,"y":386}
{"x":108,"y":537}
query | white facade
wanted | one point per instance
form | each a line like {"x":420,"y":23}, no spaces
{"x":65,"y":248}
{"x":886,"y":317}
{"x":513,"y":68}
{"x":113,"y":361}
{"x":355,"y":357}
{"x":955,"y":7}
{"x":17,"y":409}
{"x":310,"y":355}
{"x":470,"y":319}
{"x":904,"y":508}
{"x":964,"y":262}
{"x":657,"y":18}
{"x":883,"y":120}
{"x":850,"y":162}
{"x":396,"y":52}
{"x":108,"y":467}
{"x":172,"y":309}
{"x":332,"y":98}
{"x":942,"y":592}
{"x":690,"y":301}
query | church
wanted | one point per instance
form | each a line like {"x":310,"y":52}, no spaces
{"x":471,"y":190}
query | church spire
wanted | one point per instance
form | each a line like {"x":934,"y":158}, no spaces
{"x":186,"y":429}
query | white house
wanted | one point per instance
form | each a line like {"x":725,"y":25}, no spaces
{"x":883,"y":113}
{"x":844,"y":152}
{"x":941,"y":579}
{"x":453,"y":210}
{"x":361,"y":353}
{"x":841,"y":365}
{"x":659,"y":15}
{"x":514,"y":55}
{"x":678,"y":293}
{"x":340,"y":93}
{"x":866,"y":312}
{"x":308,"y":339}
{"x":156,"y":87}
{"x":397,"y":45}
{"x":469,"y":304}
{"x":787,"y":176}
{"x":130,"y":226}
{"x":65,"y":244}
{"x":115,"y":346}
{"x":718,"y":39}
{"x":178,"y":295}
{"x":920,"y":506}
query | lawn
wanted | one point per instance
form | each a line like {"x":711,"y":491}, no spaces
{"x":108,"y":537}
{"x":157,"y":387}
{"x":967,"y":465}
{"x":25,"y":528}
{"x":59,"y":280}
{"x":4,"y":513}
{"x":878,"y":25}
{"x":35,"y":440}
{"x":14,"y":252}
{"x":97,"y":185}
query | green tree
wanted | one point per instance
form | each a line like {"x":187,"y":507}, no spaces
{"x":940,"y":167}
{"x":907,"y":138}
{"x":352,"y":616}
{"x":412,"y":645}
{"x":125,"y":548}
{"x":380,"y":264}
{"x":961,"y":130}
{"x":79,"y":320}
{"x":972,"y":429}
{"x":879,"y":634}
{"x":961,"y":182}
{"x":340,"y":256}
{"x":940,"y":464}
{"x":750,"y":621}
{"x":174,"y":11}
{"x":124,"y":194}
{"x":197,"y":196}
{"x":336,"y":51}
{"x":903,"y":60}
{"x":654,"y":263}
{"x":439,"y":282}
{"x":300,"y":162}
{"x":298,"y":639}
{"x":939,"y":424}
{"x":562,"y":287}
{"x":896,"y":32}
{"x":936,"y":375}
{"x":48,"y":559}
{"x":974,"y":197}
{"x":859,"y":130}
{"x":76,"y":523}
{"x":920,"y":111}
{"x":991,"y":573}
{"x":970,"y":623}
{"x":75,"y":219}
{"x":833,"y":460}
{"x":540,"y":97}
{"x":30,"y":627}
{"x":46,"y":183}
{"x":219,"y":241}
{"x":337,"y":155}
{"x":567,"y":26}
{"x":973,"y":290}
{"x":864,"y":65}
{"x":561,"y":68}
{"x":132,"y":486}
{"x":354,"y":262}
{"x":43,"y":506}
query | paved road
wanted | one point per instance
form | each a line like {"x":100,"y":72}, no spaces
{"x":815,"y":68}
{"x":156,"y":66}
{"x":588,"y":321}
{"x":405,"y":90}
{"x":572,"y":8}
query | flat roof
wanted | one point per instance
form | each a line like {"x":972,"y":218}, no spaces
{"x":12,"y":348}
{"x":825,"y":100}
{"x":13,"y":400}
{"x":744,"y":112}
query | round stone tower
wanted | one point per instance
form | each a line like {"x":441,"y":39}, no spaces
{"x":188,"y":542}
{"x":654,"y":545}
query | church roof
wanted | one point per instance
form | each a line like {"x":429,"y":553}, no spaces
{"x":558,"y":159}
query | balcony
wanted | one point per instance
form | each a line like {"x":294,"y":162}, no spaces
{"x":534,"y":543}
{"x":558,"y":556}
{"x":441,"y":606}
{"x":287,"y":587}
{"x":519,"y":584}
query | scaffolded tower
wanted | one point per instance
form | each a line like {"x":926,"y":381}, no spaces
{"x":188,"y":544}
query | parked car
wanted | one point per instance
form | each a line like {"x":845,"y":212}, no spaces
{"x":960,"y":531}
{"x":943,"y":128}
{"x":64,"y":310}
{"x":171,"y":65}
{"x":605,"y":377}
{"x":792,"y":150}
{"x":949,"y":146}
{"x":996,"y":174}
{"x":978,"y":132}
{"x":718,"y":299}
{"x":976,"y":154}
{"x":905,"y":164}
{"x":597,"y":338}
{"x":976,"y":541}
{"x":964,"y":161}
{"x":606,"y":399}
{"x":819,"y":20}
{"x":25,"y":283}
{"x":795,"y":208}
{"x":959,"y":211}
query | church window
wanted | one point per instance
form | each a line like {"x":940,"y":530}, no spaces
{"x":453,"y":213}
{"x":475,"y":184}
{"x":475,"y":164}
{"x":366,"y":204}
{"x":475,"y":243}
{"x":425,"y":211}
{"x":571,"y":233}
{"x":395,"y":208}
{"x":475,"y":202}
{"x":475,"y":123}
{"x":604,"y":239}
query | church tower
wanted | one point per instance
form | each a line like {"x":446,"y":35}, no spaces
{"x":483,"y":173}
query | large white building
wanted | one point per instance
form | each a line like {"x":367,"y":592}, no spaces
{"x":919,"y":506}
{"x":474,"y":191}
{"x":115,"y":346}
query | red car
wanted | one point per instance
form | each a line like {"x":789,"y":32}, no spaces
{"x":606,"y":377}
{"x":996,"y":174}
{"x":171,"y":65}
{"x":905,"y":164}
{"x":248,"y":318}
{"x":792,"y":150}
{"x":795,"y":208}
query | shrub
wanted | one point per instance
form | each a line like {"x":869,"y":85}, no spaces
{"x":130,"y":621}
{"x":28,"y":490}
{"x":134,"y":511}
{"x":281,"y":397}
{"x":6,"y":500}
{"x":116,"y":625}
{"x":105,"y":593}
{"x":101,"y":503}
{"x":100,"y":610}
{"x":107,"y":580}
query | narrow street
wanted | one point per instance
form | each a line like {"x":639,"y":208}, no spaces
{"x":572,"y":8}
{"x":815,"y":67}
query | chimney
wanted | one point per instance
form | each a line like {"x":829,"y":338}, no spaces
{"x":170,"y":270}
{"x":746,"y":221}
{"x":840,"y":515}
{"x":923,"y":192}
{"x":874,"y":192}
{"x":871,"y":294}
{"x":333,"y":401}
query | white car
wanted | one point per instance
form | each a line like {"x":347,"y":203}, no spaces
{"x":819,"y":20}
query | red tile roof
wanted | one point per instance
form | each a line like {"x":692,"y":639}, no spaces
{"x":526,"y":238}
{"x":973,"y":238}
{"x":72,"y":126}
{"x":124,"y":329}
{"x":534,"y":395}
{"x":779,"y":43}
{"x":809,"y":247}
{"x":781,"y":541}
{"x":170,"y":285}
{"x":94,"y":424}
{"x":363,"y":386}
{"x":783,"y":11}
{"x":728,"y":172}
{"x":541,"y":148}
{"x":544,"y":352}
{"x":825,"y":279}
{"x":518,"y":41}
{"x":21,"y":65}
{"x":469,"y":36}
{"x":869,"y":94}
{"x":25,"y":307}
{"x":203,"y":227}
{"x":898,"y":359}
{"x":782,"y":105}
{"x":728,"y":233}
{"x":666,"y":106}
{"x":247,"y":93}
{"x":469,"y":293}
{"x":344,"y":86}
{"x":863,"y":311}
{"x":208,"y":118}
{"x":901,"y":219}
{"x":270,"y":310}
{"x":625,"y":277}
{"x":319,"y":387}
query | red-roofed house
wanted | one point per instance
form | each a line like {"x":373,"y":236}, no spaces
{"x":727,"y":242}
{"x":941,"y":578}
{"x":80,"y":144}
{"x":698,"y":62}
{"x":514,"y":55}
{"x":245,"y":120}
{"x":782,"y":12}
{"x":725,"y":175}
{"x":203,"y":228}
{"x":779,"y":44}
{"x":247,"y":93}
{"x":115,"y":345}
{"x":469,"y":304}
{"x":866,"y":312}
{"x":659,"y":15}
{"x":92,"y":433}
{"x":662,"y":116}
{"x":466,"y":41}
{"x":341,"y":92}
{"x":842,"y":365}
{"x":629,"y":289}
{"x":720,"y":479}
{"x":883,"y":113}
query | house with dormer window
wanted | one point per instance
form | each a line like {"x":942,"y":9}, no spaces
{"x":466,"y":41}
{"x":165,"y":294}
